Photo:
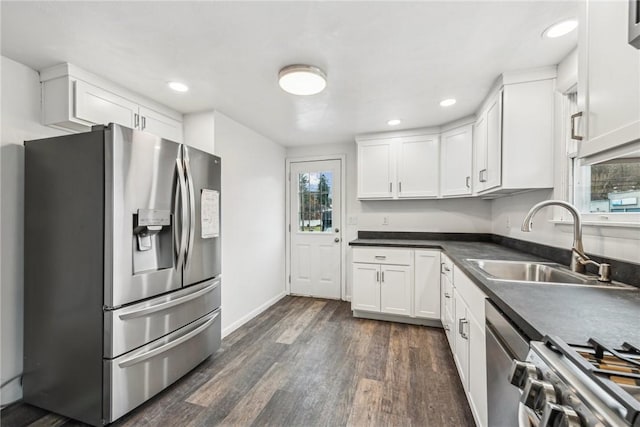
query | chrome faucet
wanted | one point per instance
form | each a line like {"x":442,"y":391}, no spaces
{"x":578,"y":258}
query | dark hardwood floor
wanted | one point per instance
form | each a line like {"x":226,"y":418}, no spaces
{"x":306,"y":362}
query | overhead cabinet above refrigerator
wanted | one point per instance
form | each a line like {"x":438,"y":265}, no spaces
{"x":122,"y":269}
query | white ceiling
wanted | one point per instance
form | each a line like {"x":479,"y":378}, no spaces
{"x":384,"y":59}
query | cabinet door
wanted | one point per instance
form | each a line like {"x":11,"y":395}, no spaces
{"x":426,"y":302}
{"x":493,"y":175}
{"x":456,"y":154}
{"x":99,"y":106}
{"x":477,"y":370}
{"x":461,"y":354}
{"x":376,"y":169}
{"x":610,"y":67}
{"x":395,"y":289}
{"x":480,"y":152}
{"x":366,"y":287}
{"x":418,"y":166}
{"x":158,"y":124}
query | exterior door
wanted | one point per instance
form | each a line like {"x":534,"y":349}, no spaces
{"x":316,"y":231}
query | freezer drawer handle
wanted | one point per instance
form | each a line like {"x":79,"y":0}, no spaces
{"x":150,"y":354}
{"x":166,"y":305}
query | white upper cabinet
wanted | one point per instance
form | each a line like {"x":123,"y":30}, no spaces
{"x":456,"y":161}
{"x":514,"y":134}
{"x":418,"y":166}
{"x":376,"y":169}
{"x":608,"y":78}
{"x":398,"y":167}
{"x":75,"y":99}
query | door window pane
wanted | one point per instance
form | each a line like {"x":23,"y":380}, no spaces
{"x":315,"y":192}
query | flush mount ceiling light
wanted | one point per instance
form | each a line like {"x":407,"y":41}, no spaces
{"x":559,"y":29}
{"x":178,"y":87}
{"x":447,"y":102}
{"x":302,"y":79}
{"x":394,"y":122}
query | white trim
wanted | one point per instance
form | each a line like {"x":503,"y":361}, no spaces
{"x":343,"y":217}
{"x":244,"y":319}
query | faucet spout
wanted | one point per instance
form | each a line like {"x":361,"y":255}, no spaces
{"x":577,"y":251}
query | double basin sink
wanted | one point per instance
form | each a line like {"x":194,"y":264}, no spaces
{"x":537,"y":272}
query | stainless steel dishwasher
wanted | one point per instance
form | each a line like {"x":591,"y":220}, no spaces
{"x":504,"y":344}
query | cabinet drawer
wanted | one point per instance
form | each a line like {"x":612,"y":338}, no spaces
{"x":382,"y":256}
{"x":446,"y":267}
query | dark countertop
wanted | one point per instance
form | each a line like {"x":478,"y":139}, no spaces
{"x":574,"y":313}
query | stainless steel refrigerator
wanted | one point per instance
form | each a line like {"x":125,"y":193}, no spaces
{"x":122,"y":269}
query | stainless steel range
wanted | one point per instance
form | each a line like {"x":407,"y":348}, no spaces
{"x":573,"y":386}
{"x":122,"y":269}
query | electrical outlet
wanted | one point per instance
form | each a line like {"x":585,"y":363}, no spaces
{"x":385,"y":220}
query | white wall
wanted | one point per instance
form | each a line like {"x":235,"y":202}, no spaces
{"x":199,"y":130}
{"x":253,"y":221}
{"x":20,"y":117}
{"x":470,"y":215}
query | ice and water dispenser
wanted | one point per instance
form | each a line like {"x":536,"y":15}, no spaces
{"x":152,"y":240}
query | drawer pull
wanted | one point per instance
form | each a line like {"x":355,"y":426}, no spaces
{"x":168,"y":304}
{"x":380,"y":257}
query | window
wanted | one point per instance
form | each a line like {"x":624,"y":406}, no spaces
{"x":612,"y":186}
{"x":315,"y":190}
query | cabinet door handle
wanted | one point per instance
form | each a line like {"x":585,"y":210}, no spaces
{"x":377,"y":276}
{"x":461,"y":323}
{"x":136,"y":120}
{"x":390,"y":187}
{"x":144,"y":123}
{"x":444,"y":267}
{"x":468,"y":182}
{"x":382,"y":281}
{"x":574,"y":135}
{"x":400,"y":187}
{"x":447,"y":295}
{"x":483,"y":175}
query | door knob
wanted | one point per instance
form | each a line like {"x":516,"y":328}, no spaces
{"x":337,"y":239}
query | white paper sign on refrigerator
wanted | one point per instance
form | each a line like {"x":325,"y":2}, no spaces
{"x":210,"y":213}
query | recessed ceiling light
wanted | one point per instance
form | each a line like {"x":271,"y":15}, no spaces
{"x":302,"y":79}
{"x":178,"y":87}
{"x":560,"y":29}
{"x":447,"y":102}
{"x":394,"y":122}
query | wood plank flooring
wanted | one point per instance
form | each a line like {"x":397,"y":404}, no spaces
{"x":306,"y":362}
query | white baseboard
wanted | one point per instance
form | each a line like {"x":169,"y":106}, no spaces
{"x":244,"y":319}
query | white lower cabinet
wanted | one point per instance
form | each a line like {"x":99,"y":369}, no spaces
{"x":395,"y":289}
{"x":426,"y":302}
{"x":400,"y":282}
{"x":469,"y":344}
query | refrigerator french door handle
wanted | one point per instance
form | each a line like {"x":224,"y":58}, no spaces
{"x":182,"y":245}
{"x":162,"y":349}
{"x":133,"y":314}
{"x":192,"y":208}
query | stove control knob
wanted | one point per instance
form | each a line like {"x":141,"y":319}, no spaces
{"x":559,"y":416}
{"x":521,"y":371}
{"x":537,"y":394}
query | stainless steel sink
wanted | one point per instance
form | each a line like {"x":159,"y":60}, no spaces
{"x":537,"y":272}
